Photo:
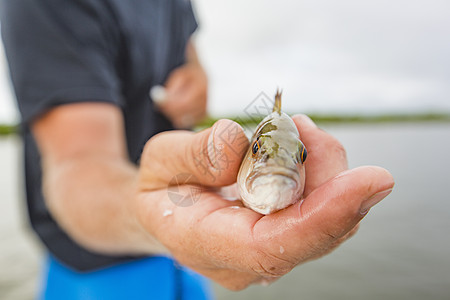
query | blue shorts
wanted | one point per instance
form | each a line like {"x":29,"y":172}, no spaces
{"x":148,"y":278}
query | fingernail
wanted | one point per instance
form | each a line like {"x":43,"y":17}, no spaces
{"x":374,"y":199}
{"x":264,"y":282}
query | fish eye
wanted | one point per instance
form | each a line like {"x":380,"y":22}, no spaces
{"x":255,"y":147}
{"x":302,"y":153}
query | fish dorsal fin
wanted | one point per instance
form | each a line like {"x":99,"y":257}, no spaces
{"x":277,"y":104}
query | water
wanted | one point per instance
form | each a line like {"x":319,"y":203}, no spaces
{"x":402,"y":250}
{"x":19,"y":251}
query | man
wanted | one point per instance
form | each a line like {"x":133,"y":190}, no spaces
{"x":97,"y":186}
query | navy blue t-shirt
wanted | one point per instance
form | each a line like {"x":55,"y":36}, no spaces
{"x":68,"y":51}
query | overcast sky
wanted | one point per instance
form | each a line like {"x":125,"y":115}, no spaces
{"x":328,"y":56}
{"x":348,"y":55}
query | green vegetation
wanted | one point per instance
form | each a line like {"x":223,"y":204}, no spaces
{"x":343,"y":118}
{"x":6,"y":129}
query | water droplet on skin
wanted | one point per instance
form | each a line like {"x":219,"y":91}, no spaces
{"x":281,"y":249}
{"x":300,"y":207}
{"x":167,"y":212}
{"x":265,"y":282}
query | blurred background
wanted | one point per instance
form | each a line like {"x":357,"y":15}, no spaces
{"x":375,"y":74}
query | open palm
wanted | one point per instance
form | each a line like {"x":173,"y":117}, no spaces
{"x":234,"y":245}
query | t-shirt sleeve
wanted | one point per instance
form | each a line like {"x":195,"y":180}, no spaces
{"x":59,"y":52}
{"x":192,"y":23}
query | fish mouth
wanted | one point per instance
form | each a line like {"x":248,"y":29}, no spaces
{"x":272,"y":192}
{"x":262,"y":177}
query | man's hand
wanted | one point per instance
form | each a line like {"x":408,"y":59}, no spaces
{"x":234,"y":245}
{"x":187,"y":89}
{"x":108,"y":205}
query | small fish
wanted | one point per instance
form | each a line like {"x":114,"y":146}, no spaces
{"x":272,"y":173}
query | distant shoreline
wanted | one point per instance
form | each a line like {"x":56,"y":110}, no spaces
{"x":7,"y":129}
{"x":345,"y":118}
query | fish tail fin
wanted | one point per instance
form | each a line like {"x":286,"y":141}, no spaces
{"x":277,"y":104}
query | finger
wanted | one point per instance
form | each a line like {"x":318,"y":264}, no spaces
{"x":231,"y":279}
{"x":176,"y":104}
{"x":164,"y":96}
{"x":185,"y":115}
{"x":189,"y":112}
{"x":326,"y":156}
{"x":176,"y":82}
{"x":212,"y":156}
{"x":175,"y":90}
{"x":187,"y":107}
{"x":326,"y":215}
{"x":212,"y":234}
{"x":349,"y":234}
{"x":334,"y":245}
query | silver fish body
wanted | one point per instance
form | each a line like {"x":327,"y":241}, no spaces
{"x":272,"y":174}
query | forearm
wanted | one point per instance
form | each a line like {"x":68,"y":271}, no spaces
{"x":92,"y":198}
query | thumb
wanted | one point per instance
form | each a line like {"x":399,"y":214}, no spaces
{"x":211,"y":157}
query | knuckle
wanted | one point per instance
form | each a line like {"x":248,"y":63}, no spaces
{"x":338,"y":149}
{"x":322,"y":243}
{"x":330,"y":142}
{"x":198,"y":155}
{"x":268,"y":265}
{"x":340,"y":240}
{"x":352,"y":232}
{"x":318,"y":247}
{"x":152,"y":142}
{"x":330,"y":239}
{"x":330,"y":234}
{"x":149,"y":148}
{"x":333,"y":233}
